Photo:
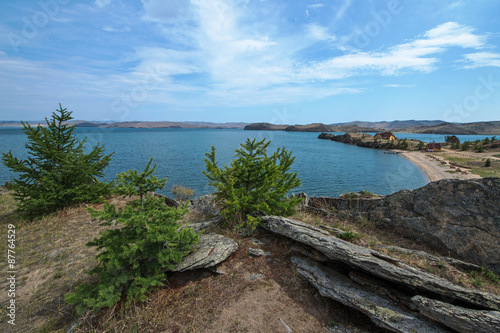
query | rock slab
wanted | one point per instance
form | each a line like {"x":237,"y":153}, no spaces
{"x":210,"y":251}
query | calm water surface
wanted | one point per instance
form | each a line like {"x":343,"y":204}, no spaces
{"x":325,"y":167}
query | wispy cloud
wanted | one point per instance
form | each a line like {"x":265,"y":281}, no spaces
{"x":482,"y":59}
{"x":399,"y":85}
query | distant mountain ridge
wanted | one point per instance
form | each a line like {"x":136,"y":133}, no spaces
{"x":392,"y":125}
{"x":402,"y":126}
{"x":138,"y":124}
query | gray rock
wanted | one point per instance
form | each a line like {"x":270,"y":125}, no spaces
{"x":205,"y":225}
{"x":168,"y":201}
{"x":376,"y":263}
{"x":382,"y":312}
{"x":259,"y":242}
{"x":205,"y":205}
{"x":254,"y":276}
{"x":210,"y":251}
{"x":458,"y":318}
{"x":258,"y":252}
{"x":461,"y":217}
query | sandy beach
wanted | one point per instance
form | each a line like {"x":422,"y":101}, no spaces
{"x":433,"y":168}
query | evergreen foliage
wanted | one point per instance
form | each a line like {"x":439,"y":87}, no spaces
{"x":57,"y":173}
{"x":133,"y":258}
{"x":254,"y":181}
{"x":487,"y":163}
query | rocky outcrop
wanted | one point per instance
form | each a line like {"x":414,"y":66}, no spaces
{"x":394,"y":295}
{"x":461,"y":217}
{"x":359,"y":203}
{"x":205,"y":205}
{"x":376,"y":263}
{"x":210,"y":251}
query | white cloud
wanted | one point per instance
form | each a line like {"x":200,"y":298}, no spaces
{"x":320,"y":33}
{"x":399,"y":85}
{"x":102,"y":3}
{"x":482,"y":59}
{"x":316,"y":6}
{"x":417,"y":55}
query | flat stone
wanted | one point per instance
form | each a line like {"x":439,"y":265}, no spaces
{"x":210,"y":251}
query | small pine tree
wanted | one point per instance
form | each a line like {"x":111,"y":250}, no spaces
{"x":487,"y":163}
{"x":421,"y":145}
{"x":253,"y":182}
{"x":133,"y":259}
{"x":58,"y":173}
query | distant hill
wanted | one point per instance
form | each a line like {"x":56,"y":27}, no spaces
{"x":136,"y":124}
{"x":391,"y":125}
{"x":316,"y":127}
{"x":483,"y":128}
{"x":173,"y":124}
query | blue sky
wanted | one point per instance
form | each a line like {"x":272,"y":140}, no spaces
{"x":293,"y":62}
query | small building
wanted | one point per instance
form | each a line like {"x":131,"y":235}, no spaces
{"x":385,"y":136}
{"x":452,"y":139}
{"x":433,"y":146}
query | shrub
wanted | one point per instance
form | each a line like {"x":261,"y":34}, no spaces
{"x":57,"y":173}
{"x":133,"y":258}
{"x":182,"y":193}
{"x":253,"y":182}
{"x":487,"y":163}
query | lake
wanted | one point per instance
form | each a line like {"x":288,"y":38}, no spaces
{"x":326,"y":168}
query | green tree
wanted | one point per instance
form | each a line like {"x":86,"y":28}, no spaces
{"x":421,"y":145}
{"x":487,"y":163}
{"x":254,"y":181}
{"x":57,"y":173}
{"x":132,"y":259}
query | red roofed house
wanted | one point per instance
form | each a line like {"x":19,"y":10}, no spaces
{"x":433,"y":146}
{"x":386,"y":136}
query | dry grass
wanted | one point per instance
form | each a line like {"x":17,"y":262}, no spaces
{"x":51,"y":259}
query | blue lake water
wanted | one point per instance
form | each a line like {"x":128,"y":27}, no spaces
{"x":325,"y":167}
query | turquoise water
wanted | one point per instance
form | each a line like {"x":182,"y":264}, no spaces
{"x":325,"y":167}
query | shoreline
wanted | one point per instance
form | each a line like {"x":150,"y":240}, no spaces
{"x":432,"y":168}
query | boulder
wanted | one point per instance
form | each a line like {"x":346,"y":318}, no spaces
{"x":205,"y":205}
{"x":210,"y":251}
{"x":377,"y":263}
{"x":458,"y":318}
{"x":460,"y":217}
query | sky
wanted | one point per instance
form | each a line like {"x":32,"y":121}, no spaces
{"x":277,"y":61}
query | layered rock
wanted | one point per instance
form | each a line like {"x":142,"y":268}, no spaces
{"x":390,"y":292}
{"x":376,"y":263}
{"x":461,"y":217}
